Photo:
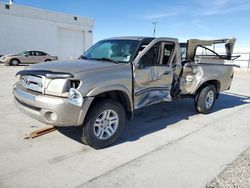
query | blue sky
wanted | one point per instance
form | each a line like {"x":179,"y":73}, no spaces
{"x":182,"y":19}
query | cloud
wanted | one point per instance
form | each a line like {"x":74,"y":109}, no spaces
{"x":219,"y":2}
{"x":199,"y":25}
{"x":224,"y":7}
{"x":203,"y":8}
{"x":161,"y":15}
{"x":170,"y":11}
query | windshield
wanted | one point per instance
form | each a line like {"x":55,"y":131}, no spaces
{"x":21,"y":53}
{"x":116,"y":50}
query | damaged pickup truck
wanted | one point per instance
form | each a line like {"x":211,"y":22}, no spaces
{"x":116,"y":76}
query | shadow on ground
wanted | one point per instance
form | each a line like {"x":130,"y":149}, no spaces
{"x":20,"y":65}
{"x":160,"y":116}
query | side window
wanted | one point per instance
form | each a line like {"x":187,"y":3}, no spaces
{"x":31,"y":53}
{"x":168,"y":50}
{"x":150,"y":58}
{"x":26,"y":53}
{"x":183,"y":48}
{"x":37,"y":53}
{"x":183,"y":53}
{"x":143,"y":45}
{"x":42,"y":54}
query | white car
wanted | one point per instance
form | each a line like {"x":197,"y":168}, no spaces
{"x":27,"y":57}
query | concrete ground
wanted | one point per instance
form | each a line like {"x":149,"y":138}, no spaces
{"x":166,"y":145}
{"x":236,"y":174}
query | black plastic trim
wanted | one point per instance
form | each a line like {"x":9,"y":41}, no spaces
{"x":46,"y":73}
{"x":220,"y":56}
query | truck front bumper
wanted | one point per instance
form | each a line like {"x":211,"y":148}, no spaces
{"x":50,"y":110}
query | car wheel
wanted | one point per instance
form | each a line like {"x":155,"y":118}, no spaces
{"x":204,"y":101}
{"x":47,"y":60}
{"x":14,"y":62}
{"x":104,"y":124}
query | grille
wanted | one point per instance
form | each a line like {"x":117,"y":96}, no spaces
{"x":34,"y":83}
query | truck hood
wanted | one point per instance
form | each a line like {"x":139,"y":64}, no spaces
{"x":72,"y":67}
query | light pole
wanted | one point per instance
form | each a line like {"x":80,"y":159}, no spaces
{"x":154,"y":23}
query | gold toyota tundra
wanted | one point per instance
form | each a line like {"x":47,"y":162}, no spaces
{"x":117,"y":76}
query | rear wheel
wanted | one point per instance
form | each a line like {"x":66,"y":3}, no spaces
{"x":14,"y":62}
{"x":104,"y":124}
{"x":205,"y":99}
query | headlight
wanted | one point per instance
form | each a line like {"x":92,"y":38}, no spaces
{"x":56,"y":85}
{"x":60,"y":87}
{"x":75,"y":97}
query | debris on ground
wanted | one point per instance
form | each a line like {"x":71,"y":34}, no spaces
{"x":40,"y":132}
{"x":236,"y":174}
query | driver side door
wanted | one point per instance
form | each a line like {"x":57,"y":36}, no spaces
{"x":27,"y":57}
{"x":153,"y":74}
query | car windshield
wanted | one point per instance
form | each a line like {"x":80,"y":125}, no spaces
{"x":21,"y":53}
{"x":116,"y":50}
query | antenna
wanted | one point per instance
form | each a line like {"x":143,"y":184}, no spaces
{"x":154,"y":23}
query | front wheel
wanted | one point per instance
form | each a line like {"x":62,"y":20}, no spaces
{"x":14,"y":62}
{"x":104,"y":124}
{"x":205,"y":99}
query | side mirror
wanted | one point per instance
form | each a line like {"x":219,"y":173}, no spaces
{"x":140,"y":65}
{"x":26,"y":55}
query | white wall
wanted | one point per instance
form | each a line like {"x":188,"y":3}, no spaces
{"x":22,"y":33}
{"x":70,"y":43}
{"x":23,"y":28}
{"x":244,"y":59}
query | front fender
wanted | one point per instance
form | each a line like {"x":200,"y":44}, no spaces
{"x":114,"y":87}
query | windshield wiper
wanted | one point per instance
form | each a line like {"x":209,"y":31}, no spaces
{"x":83,"y":57}
{"x":105,"y":59}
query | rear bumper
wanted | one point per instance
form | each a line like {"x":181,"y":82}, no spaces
{"x":51,"y":110}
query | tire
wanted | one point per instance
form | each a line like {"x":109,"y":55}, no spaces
{"x":14,"y":62}
{"x":204,"y":100}
{"x":47,"y":60}
{"x":96,"y":131}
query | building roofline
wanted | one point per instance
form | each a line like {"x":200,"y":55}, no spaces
{"x":54,"y":14}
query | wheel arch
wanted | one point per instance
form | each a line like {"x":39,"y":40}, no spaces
{"x":215,"y":83}
{"x":118,"y":95}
